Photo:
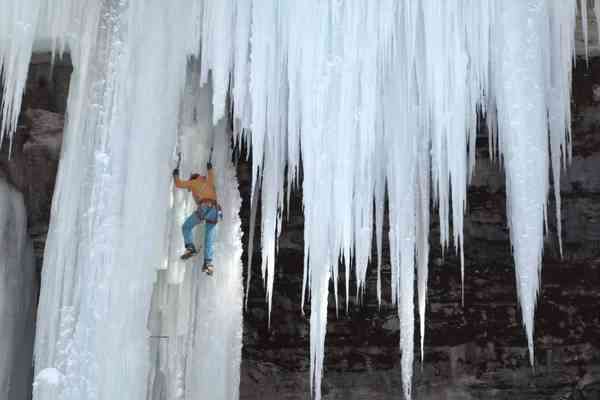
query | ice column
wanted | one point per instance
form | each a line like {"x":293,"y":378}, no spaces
{"x":17,"y":297}
{"x":196,"y":320}
{"x":109,"y":213}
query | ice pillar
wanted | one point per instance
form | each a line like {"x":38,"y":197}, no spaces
{"x":17,"y":297}
{"x":110,"y":208}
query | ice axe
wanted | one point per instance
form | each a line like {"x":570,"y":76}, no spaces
{"x":177,"y":150}
{"x":176,"y":170}
{"x":212,"y":146}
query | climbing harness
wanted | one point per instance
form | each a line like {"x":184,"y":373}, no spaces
{"x":210,"y":204}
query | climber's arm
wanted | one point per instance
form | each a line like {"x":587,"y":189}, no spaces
{"x":180,"y":183}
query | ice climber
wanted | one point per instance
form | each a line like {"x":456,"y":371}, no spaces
{"x":209,"y":211}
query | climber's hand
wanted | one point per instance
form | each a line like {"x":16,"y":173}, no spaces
{"x":209,"y":165}
{"x":176,"y":172}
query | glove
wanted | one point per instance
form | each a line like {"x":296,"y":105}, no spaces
{"x":176,"y":172}
{"x":209,"y":165}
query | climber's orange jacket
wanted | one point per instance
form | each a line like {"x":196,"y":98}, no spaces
{"x":202,"y":187}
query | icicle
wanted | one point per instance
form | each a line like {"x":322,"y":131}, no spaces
{"x":522,"y":123}
{"x":18,"y":25}
{"x":253,"y":210}
{"x":584,"y":26}
{"x":379,"y":215}
{"x":562,"y":24}
{"x":422,"y":242}
{"x":597,"y":16}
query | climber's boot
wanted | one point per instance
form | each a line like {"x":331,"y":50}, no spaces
{"x":208,"y":268}
{"x":190,"y":251}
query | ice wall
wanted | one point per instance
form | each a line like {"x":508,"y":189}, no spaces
{"x":110,"y":213}
{"x":196,"y":320}
{"x":115,"y":223}
{"x":17,"y":297}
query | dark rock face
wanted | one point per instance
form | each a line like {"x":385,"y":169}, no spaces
{"x":32,"y":168}
{"x":471,"y":352}
{"x":32,"y":163}
{"x":48,"y":86}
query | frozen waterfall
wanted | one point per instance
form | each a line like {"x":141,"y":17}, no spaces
{"x":369,"y":99}
{"x":17,"y":296}
{"x":114,"y":217}
{"x":195,"y":320}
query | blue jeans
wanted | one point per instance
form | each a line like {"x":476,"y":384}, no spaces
{"x":203,"y":213}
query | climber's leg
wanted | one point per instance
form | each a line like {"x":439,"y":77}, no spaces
{"x":188,"y":235}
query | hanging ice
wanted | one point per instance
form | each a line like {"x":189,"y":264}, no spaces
{"x":521,"y":92}
{"x":17,"y":296}
{"x":18,"y":24}
{"x":387,"y":96}
{"x":369,"y":100}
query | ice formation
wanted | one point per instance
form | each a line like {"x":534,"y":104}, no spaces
{"x":370,"y":100}
{"x":111,"y":226}
{"x":48,"y":376}
{"x":385,"y":98}
{"x":18,"y":22}
{"x":17,"y":296}
{"x":195,"y":321}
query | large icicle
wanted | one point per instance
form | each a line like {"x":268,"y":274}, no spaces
{"x":520,"y":72}
{"x":17,"y":296}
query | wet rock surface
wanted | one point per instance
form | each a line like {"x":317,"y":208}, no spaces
{"x":473,"y":351}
